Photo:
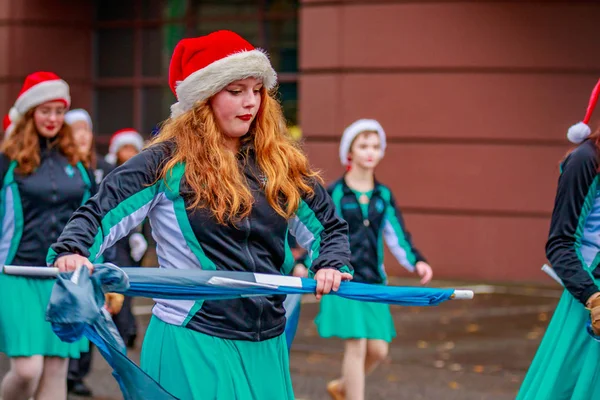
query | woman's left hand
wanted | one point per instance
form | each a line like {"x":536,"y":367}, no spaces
{"x":424,"y":271}
{"x":329,"y":279}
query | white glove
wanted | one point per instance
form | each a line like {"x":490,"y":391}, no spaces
{"x":138,"y":245}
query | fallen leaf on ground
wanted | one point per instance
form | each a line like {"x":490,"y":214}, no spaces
{"x":478,"y":368}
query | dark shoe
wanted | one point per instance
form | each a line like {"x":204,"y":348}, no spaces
{"x":130,"y":343}
{"x":80,"y":389}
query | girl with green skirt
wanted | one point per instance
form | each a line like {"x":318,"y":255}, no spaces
{"x":567,"y":363}
{"x":370,"y":210}
{"x":43,"y":182}
{"x":223,"y":186}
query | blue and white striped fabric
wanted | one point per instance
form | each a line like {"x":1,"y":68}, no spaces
{"x":75,"y":307}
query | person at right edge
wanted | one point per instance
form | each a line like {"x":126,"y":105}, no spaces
{"x":567,"y":362}
{"x":370,"y":210}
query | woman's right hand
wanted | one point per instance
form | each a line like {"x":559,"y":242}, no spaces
{"x":71,"y":262}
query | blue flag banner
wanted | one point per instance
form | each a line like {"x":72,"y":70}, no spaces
{"x":292,"y":316}
{"x":76,"y":305}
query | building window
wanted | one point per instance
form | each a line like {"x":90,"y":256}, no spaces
{"x":134,"y":40}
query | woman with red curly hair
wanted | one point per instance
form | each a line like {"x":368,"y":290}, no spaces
{"x":223,"y":185}
{"x":44,"y":182}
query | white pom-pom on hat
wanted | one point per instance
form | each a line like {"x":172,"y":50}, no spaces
{"x":581,"y":130}
{"x":578,"y":132}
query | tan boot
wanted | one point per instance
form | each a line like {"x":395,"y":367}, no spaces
{"x":335,"y":390}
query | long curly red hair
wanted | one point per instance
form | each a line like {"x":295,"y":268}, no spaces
{"x":23,"y":145}
{"x":213,"y":173}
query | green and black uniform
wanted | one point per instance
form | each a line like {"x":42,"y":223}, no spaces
{"x":370,"y":223}
{"x":33,"y":211}
{"x":566,"y":364}
{"x":210,"y":349}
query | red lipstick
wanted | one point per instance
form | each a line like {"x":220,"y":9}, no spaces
{"x":245,"y":117}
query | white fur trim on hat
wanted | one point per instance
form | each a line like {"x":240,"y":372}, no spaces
{"x":56,"y":89}
{"x":211,"y":79}
{"x":357,"y":127}
{"x":78,"y":115}
{"x":13,"y":114}
{"x":122,"y":139}
{"x":9,"y":130}
{"x":125,"y":138}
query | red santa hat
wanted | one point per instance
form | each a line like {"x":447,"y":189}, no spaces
{"x":122,"y":138}
{"x":201,"y":67}
{"x":356,"y":128}
{"x":581,"y":130}
{"x":7,"y":125}
{"x":39,"y":88}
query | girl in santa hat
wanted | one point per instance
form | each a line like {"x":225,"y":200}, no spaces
{"x":370,"y":210}
{"x":81,"y":124}
{"x":566,"y":365}
{"x":43,"y":182}
{"x":83,"y":133}
{"x":129,"y":250}
{"x":223,"y":185}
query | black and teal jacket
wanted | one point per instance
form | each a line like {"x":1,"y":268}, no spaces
{"x":35,"y":208}
{"x":190,"y":239}
{"x":573,"y":246}
{"x":384,"y":223}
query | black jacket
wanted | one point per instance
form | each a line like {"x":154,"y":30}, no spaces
{"x":574,"y":240}
{"x":36,"y":207}
{"x":188,"y":239}
{"x":383,"y":222}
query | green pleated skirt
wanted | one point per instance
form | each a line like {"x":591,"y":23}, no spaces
{"x":352,"y":319}
{"x":24,"y":330}
{"x":567,"y":363}
{"x":192,"y":365}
